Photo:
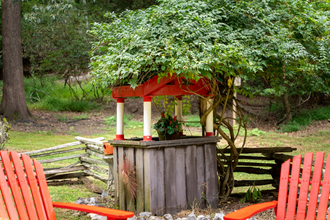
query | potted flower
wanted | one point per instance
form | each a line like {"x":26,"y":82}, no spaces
{"x":167,"y":127}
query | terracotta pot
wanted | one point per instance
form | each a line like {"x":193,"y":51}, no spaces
{"x":107,"y":148}
{"x":163,"y":135}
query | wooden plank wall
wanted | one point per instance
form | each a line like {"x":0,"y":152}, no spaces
{"x":170,"y":178}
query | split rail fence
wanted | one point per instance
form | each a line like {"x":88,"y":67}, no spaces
{"x":67,"y":163}
{"x":264,"y":162}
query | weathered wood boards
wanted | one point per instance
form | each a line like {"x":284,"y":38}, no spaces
{"x":171,"y":176}
{"x":89,"y":161}
{"x":262,"y":161}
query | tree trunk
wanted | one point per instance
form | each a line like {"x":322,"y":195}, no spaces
{"x":13,"y":103}
{"x":287,"y":107}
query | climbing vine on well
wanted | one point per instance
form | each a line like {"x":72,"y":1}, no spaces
{"x":218,"y":40}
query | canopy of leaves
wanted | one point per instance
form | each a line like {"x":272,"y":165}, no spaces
{"x":205,"y":38}
{"x":54,"y":34}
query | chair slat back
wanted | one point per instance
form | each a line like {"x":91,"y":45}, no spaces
{"x":34,"y":187}
{"x":44,"y":190}
{"x":294,"y":185}
{"x":9,"y":210}
{"x":283,"y":190}
{"x":315,"y":187}
{"x":29,"y":190}
{"x":324,"y":200}
{"x":304,"y":186}
{"x":13,"y":184}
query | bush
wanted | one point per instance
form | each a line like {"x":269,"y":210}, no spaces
{"x":305,"y":118}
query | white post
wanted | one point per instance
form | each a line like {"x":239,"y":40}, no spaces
{"x":237,"y":82}
{"x":178,"y":113}
{"x":234,"y":109}
{"x":120,"y":119}
{"x":209,"y":119}
{"x":147,"y":118}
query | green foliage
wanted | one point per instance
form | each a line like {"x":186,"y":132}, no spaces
{"x":57,"y":104}
{"x":167,"y":123}
{"x":81,"y":117}
{"x":49,"y":94}
{"x":4,"y":136}
{"x":61,"y":117}
{"x":305,"y":118}
{"x":255,"y":132}
{"x":284,"y":41}
{"x":253,"y":194}
{"x":54,"y":34}
{"x":54,"y":38}
{"x":72,"y":132}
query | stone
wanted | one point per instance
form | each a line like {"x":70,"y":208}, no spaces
{"x":79,"y":200}
{"x":218,"y":216}
{"x":200,"y":217}
{"x":104,"y":194}
{"x":191,"y":216}
{"x":252,"y":218}
{"x":154,"y":218}
{"x":133,"y":218}
{"x":168,"y":217}
{"x":145,"y":214}
{"x":96,"y":217}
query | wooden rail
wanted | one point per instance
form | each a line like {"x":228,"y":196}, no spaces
{"x":87,"y":160}
{"x":258,"y":161}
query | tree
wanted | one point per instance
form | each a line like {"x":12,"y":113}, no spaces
{"x":13,"y":101}
{"x":219,"y":40}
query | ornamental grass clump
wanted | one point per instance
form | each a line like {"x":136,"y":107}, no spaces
{"x":167,"y":124}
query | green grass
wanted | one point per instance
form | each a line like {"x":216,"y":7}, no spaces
{"x":51,"y":94}
{"x":129,"y":121}
{"x":81,"y":117}
{"x":61,"y":117}
{"x":192,"y":118}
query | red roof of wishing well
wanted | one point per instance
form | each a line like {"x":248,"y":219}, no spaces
{"x":171,"y":85}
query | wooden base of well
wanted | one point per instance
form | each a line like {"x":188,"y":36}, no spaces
{"x":170,"y":175}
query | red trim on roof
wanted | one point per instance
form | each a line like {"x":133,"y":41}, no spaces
{"x":171,"y":85}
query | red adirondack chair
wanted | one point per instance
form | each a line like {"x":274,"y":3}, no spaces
{"x":286,"y":206}
{"x":28,"y":197}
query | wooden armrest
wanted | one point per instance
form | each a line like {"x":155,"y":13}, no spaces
{"x":249,"y":211}
{"x":113,"y":213}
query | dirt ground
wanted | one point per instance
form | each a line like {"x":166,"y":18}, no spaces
{"x":49,"y":121}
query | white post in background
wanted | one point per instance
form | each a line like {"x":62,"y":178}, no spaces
{"x":237,"y":82}
{"x":178,"y":113}
{"x":147,"y":118}
{"x":209,"y":119}
{"x":120,"y":119}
